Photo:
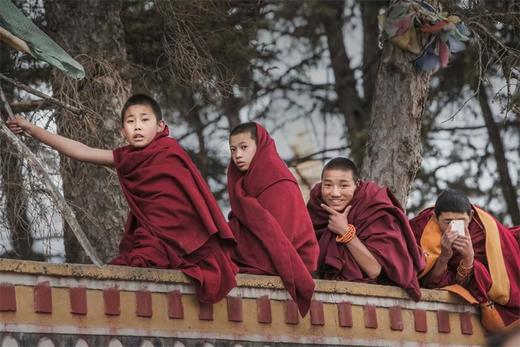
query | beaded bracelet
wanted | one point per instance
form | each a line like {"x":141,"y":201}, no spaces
{"x":463,"y":271}
{"x":348,"y":235}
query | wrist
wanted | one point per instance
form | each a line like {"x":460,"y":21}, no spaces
{"x":467,"y":261}
{"x":28,"y":128}
{"x":348,"y":236}
{"x":443,"y":258}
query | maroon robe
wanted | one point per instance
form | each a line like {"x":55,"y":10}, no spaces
{"x":382,"y":227}
{"x":174,"y":221}
{"x":481,"y":280}
{"x":270,"y":222}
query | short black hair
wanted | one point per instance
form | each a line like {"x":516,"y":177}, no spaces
{"x":452,"y":200}
{"x":249,"y":127}
{"x":142,"y":99}
{"x":342,"y":164}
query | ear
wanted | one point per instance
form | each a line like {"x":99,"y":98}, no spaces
{"x":160,"y":126}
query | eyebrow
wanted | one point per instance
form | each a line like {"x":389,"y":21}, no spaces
{"x":139,"y":114}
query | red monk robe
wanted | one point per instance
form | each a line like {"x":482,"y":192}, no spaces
{"x":174,"y":221}
{"x":495,"y":248}
{"x":382,"y":227}
{"x":270,"y":222}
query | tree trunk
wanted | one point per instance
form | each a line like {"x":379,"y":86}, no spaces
{"x":371,"y":51}
{"x":92,"y":26}
{"x":348,"y":101}
{"x":506,"y":185}
{"x":394,"y":143}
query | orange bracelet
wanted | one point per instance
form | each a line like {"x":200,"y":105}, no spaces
{"x":348,"y":235}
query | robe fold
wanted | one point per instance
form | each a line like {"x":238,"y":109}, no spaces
{"x":382,"y":227}
{"x":174,"y":221}
{"x":271,"y":224}
{"x":496,"y":275}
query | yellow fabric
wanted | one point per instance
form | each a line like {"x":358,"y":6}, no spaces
{"x":462,"y":292}
{"x":500,"y":287}
{"x":430,"y":245}
{"x":408,"y":41}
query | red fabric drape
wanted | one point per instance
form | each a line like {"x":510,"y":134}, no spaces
{"x":270,"y":222}
{"x":174,"y":221}
{"x":382,"y":227}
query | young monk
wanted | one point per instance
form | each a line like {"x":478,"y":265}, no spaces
{"x":174,"y":220}
{"x":269,"y":220}
{"x":363,"y":233}
{"x":480,"y":263}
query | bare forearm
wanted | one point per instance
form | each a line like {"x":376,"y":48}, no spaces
{"x":71,"y":148}
{"x":364,"y":258}
{"x":438,"y":270}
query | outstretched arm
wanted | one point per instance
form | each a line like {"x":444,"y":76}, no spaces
{"x":70,"y":148}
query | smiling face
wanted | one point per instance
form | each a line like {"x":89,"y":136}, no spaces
{"x":243,"y":149}
{"x":140,"y":125}
{"x":337,"y":188}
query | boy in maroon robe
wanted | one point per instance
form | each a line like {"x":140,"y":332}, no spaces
{"x":174,"y":221}
{"x":269,"y":220}
{"x":480,"y":263}
{"x":363,"y":233}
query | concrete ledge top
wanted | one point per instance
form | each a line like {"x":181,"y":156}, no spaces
{"x":125,"y":273}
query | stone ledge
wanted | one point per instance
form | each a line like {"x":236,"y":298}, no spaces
{"x":125,"y":273}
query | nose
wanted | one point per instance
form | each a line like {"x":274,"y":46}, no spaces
{"x":335,"y":191}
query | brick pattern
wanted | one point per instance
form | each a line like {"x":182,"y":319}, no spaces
{"x":420,"y":321}
{"x":292,"y":316}
{"x":370,"y":316}
{"x":143,"y":304}
{"x":345,"y":314}
{"x":263,"y":310}
{"x":111,"y":301}
{"x":396,"y":318}
{"x":466,"y":327}
{"x":7,"y":297}
{"x":234,"y":305}
{"x":175,"y":308}
{"x":317,"y":314}
{"x":43,"y":298}
{"x":205,"y":311}
{"x":78,"y":300}
{"x":443,"y":321}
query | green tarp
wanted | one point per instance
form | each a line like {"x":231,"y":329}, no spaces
{"x":41,"y":45}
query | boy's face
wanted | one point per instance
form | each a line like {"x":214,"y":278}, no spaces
{"x":243,"y":149}
{"x":445,"y":218}
{"x":140,"y":125}
{"x":337,"y":188}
